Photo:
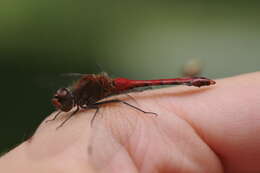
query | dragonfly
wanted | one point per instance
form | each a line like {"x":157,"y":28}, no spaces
{"x":90,"y":90}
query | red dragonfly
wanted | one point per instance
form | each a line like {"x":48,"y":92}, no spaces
{"x":90,"y":89}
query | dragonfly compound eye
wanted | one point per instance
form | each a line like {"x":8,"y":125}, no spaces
{"x":63,"y":99}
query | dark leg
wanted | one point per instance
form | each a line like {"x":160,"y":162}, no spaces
{"x":56,"y":115}
{"x":120,"y":101}
{"x":91,"y":107}
{"x":94,"y":116}
{"x":131,"y":97}
{"x":73,"y":113}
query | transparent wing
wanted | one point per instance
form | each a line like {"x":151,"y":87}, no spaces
{"x":72,"y":75}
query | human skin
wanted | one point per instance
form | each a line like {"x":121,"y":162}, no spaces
{"x":212,"y":129}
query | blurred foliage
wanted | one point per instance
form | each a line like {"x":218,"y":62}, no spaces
{"x":42,"y":39}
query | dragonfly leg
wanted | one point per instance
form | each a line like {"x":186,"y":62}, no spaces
{"x":132,"y":98}
{"x":73,"y":113}
{"x":55,"y":116}
{"x":95,"y":114}
{"x":91,"y":107}
{"x":128,"y":104}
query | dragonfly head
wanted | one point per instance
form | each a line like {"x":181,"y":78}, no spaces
{"x":63,"y":99}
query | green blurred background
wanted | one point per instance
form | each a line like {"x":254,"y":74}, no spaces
{"x":39,"y":40}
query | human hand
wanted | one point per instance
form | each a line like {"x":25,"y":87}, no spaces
{"x":212,"y":129}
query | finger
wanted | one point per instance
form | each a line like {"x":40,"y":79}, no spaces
{"x":227,"y":117}
{"x":165,"y":143}
{"x":51,"y":150}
